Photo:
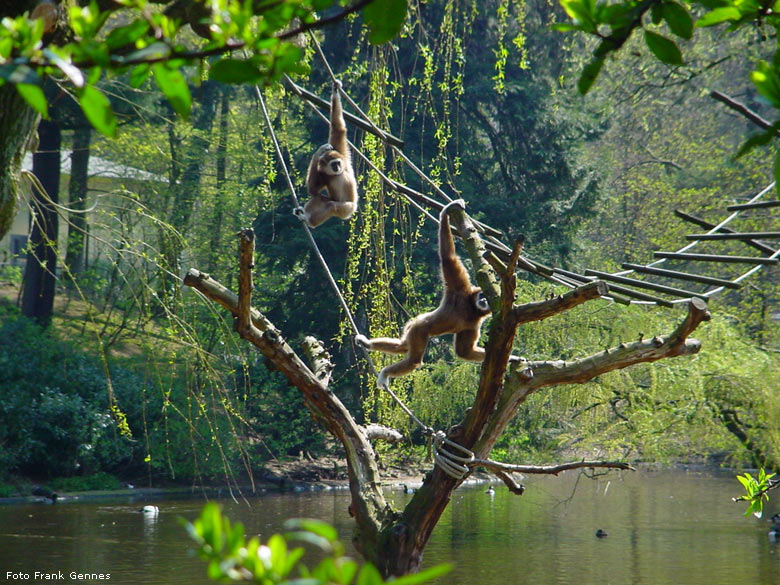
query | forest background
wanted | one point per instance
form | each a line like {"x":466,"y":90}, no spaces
{"x":134,"y":378}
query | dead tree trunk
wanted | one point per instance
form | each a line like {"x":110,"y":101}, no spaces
{"x":394,"y":540}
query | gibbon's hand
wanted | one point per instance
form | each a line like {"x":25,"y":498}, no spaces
{"x":337,"y":85}
{"x":362,"y":341}
{"x":300,"y":213}
{"x":382,"y":380}
{"x":459,"y":203}
{"x":516,"y":358}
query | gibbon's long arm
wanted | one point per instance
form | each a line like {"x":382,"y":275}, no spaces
{"x":453,"y":272}
{"x":338,"y":128}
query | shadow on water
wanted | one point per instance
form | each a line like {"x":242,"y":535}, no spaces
{"x":670,"y":527}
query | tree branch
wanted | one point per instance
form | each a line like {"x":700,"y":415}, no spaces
{"x":368,"y":504}
{"x":325,"y":21}
{"x":553,"y":373}
{"x":498,"y":467}
{"x":539,"y":310}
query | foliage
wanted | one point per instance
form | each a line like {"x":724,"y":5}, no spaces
{"x":232,"y":558}
{"x":54,"y":410}
{"x":756,"y":489}
{"x":95,"y":481}
{"x":151,"y":42}
{"x":613,"y":24}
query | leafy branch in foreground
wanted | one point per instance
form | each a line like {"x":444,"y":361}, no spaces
{"x":231,"y":558}
{"x":756,"y":489}
{"x":78,"y":44}
{"x":663,"y":23}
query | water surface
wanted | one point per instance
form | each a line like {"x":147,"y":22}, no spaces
{"x":671,"y":527}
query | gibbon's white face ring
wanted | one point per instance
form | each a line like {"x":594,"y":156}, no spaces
{"x":482,"y":302}
{"x":334,"y":167}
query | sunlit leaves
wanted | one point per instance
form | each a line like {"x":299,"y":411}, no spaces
{"x":97,"y":109}
{"x":384,"y":19}
{"x":173,"y":84}
{"x":127,"y":35}
{"x":33,"y":95}
{"x":767,"y":81}
{"x":719,"y":15}
{"x":231,"y":557}
{"x":147,"y":42}
{"x":756,"y":489}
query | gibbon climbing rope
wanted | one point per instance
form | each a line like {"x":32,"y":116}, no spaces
{"x":427,"y":430}
{"x":452,"y":461}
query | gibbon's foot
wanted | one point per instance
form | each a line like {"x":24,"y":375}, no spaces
{"x":362,"y":341}
{"x":516,"y":358}
{"x":382,"y":380}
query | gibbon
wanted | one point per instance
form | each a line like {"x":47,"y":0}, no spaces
{"x":461,"y":311}
{"x":331,"y":169}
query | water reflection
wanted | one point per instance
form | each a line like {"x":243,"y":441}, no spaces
{"x":664,"y":528}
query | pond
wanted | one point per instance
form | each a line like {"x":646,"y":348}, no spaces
{"x":664,"y":527}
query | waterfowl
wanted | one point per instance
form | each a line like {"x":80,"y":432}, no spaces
{"x":601,"y":533}
{"x":151,"y":510}
{"x":407,"y":489}
{"x":490,"y":491}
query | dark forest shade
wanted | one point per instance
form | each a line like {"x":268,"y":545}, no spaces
{"x":41,"y":269}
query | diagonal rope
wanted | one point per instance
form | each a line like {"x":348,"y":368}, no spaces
{"x":426,"y":429}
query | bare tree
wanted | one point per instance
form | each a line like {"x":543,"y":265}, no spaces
{"x":394,"y":540}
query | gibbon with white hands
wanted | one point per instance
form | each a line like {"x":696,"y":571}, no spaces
{"x":330,"y":170}
{"x":461,"y":311}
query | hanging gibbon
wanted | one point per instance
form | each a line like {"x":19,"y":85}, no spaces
{"x":461,"y":311}
{"x":330,"y":170}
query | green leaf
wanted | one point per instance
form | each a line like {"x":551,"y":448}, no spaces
{"x":126,"y":35}
{"x":369,"y":575}
{"x":384,"y":18}
{"x":424,"y":576}
{"x":761,"y":139}
{"x":678,"y":19}
{"x":589,"y":74}
{"x":229,"y":70}
{"x":33,"y":95}
{"x":98,"y":110}
{"x":664,"y":49}
{"x":565,"y":27}
{"x":317,"y":527}
{"x":656,"y":13}
{"x":139,"y":74}
{"x":719,"y":15}
{"x":172,"y":83}
{"x":767,"y":81}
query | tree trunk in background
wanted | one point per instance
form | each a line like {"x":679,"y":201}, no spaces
{"x":188,"y":161}
{"x":219,"y":204}
{"x":39,"y":274}
{"x":17,"y":123}
{"x":77,"y":199}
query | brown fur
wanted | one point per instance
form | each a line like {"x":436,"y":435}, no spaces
{"x":341,"y":188}
{"x":457,"y":313}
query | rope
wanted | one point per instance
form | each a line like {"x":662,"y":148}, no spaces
{"x":426,"y":429}
{"x":451,"y":463}
{"x":313,"y":242}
